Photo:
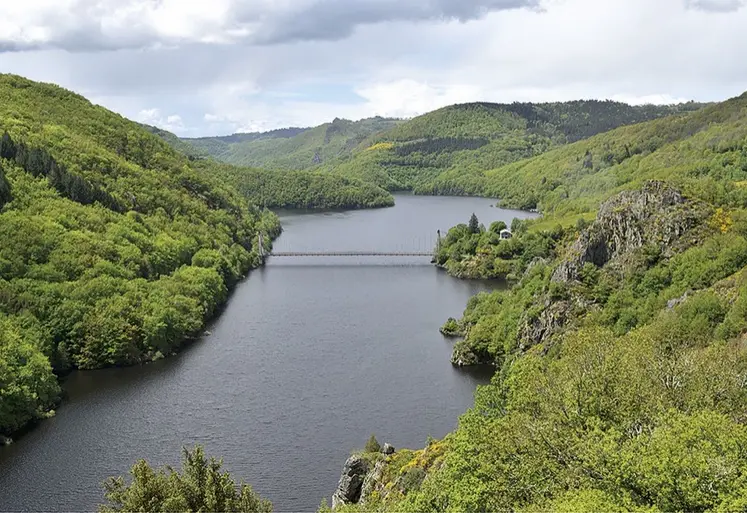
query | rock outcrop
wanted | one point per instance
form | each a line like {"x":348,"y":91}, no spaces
{"x":464,"y":355}
{"x":633,"y":229}
{"x":657,"y":214}
{"x":351,"y":482}
{"x":535,"y":330}
{"x":387,"y":449}
{"x":373,"y":480}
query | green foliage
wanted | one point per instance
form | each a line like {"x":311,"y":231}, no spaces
{"x":497,"y":227}
{"x":292,"y":148}
{"x":27,"y":385}
{"x":449,"y":151}
{"x":469,"y":252}
{"x":5,"y":194}
{"x":302,"y":189}
{"x":451,"y":328}
{"x":372,"y":445}
{"x":200,"y":486}
{"x":702,"y":152}
{"x":115,"y":248}
{"x":474,"y":224}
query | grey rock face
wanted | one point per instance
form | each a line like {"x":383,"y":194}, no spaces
{"x":372,"y":480}
{"x":673,"y":303}
{"x":387,"y":449}
{"x":547,"y":323}
{"x":351,"y":481}
{"x":656,"y":214}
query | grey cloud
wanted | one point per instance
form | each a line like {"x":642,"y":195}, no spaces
{"x":336,"y":19}
{"x":715,"y":5}
{"x":254,"y":23}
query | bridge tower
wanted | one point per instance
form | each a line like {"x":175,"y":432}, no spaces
{"x":261,"y":249}
{"x":438,"y":241}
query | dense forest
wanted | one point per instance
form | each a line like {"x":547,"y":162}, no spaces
{"x":446,"y":151}
{"x":279,"y":188}
{"x":301,"y":189}
{"x":619,"y":344}
{"x":702,"y":152}
{"x":115,"y":248}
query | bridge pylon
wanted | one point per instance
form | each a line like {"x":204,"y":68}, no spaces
{"x":261,"y":248}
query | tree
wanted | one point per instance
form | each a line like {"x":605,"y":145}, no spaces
{"x":518,"y":226}
{"x":474,"y":224}
{"x":7,"y":147}
{"x":372,"y":445}
{"x":5,"y":194}
{"x":199,"y":487}
{"x":497,"y":226}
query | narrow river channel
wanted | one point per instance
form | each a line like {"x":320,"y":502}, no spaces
{"x":310,"y":357}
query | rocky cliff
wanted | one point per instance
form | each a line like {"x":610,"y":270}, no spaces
{"x":656,"y":215}
{"x":656,"y":219}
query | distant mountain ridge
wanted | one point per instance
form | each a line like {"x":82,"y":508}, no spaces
{"x":426,"y":153}
{"x":292,"y":148}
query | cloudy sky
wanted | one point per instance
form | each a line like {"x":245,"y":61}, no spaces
{"x":207,"y":67}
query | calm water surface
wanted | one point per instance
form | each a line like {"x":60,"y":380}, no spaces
{"x":309,"y":358}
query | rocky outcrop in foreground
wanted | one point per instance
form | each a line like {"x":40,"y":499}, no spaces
{"x":356,"y":481}
{"x":351,"y":481}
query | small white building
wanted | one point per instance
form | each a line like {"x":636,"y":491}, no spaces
{"x":506,"y":234}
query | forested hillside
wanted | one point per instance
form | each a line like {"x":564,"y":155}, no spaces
{"x":701,"y":151}
{"x":301,"y":189}
{"x":292,"y":148}
{"x":114,"y":247}
{"x":273,"y":188}
{"x":448,"y":151}
{"x":619,"y":346}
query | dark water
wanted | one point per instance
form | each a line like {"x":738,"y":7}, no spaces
{"x":309,"y":358}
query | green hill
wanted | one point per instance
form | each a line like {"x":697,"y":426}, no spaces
{"x":619,"y":343}
{"x":701,"y":152}
{"x":447,"y":151}
{"x":292,"y":148}
{"x":304,"y":189}
{"x":115,"y":247}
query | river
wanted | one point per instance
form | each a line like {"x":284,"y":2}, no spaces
{"x":310,"y":356}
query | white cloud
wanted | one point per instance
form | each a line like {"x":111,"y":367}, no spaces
{"x":408,"y":97}
{"x":85,"y":25}
{"x":153,"y":116}
{"x":638,"y":51}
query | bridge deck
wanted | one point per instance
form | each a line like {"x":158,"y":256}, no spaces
{"x":350,"y":253}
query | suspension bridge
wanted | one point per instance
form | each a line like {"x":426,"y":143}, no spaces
{"x":263,"y":253}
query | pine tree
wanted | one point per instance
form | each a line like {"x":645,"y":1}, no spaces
{"x":474,"y":224}
{"x":7,"y":147}
{"x":5,"y":195}
{"x":372,"y":445}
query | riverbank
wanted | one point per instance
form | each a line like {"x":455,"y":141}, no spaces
{"x":308,"y":357}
